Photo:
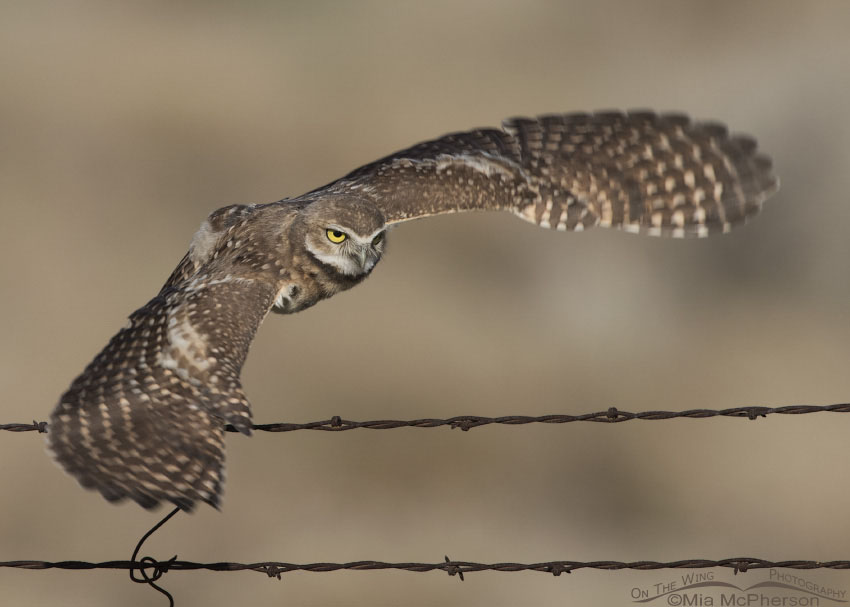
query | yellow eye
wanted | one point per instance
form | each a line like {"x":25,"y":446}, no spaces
{"x":335,"y":236}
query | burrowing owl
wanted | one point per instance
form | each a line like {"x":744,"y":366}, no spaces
{"x":146,"y":418}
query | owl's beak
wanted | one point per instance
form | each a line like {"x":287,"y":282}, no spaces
{"x":367,"y":258}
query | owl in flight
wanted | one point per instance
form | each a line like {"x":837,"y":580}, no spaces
{"x":146,"y":419}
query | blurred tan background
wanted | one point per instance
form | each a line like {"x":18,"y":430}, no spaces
{"x":122,"y":125}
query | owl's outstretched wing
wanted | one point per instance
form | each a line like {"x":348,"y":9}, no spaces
{"x":145,"y":420}
{"x":641,"y":172}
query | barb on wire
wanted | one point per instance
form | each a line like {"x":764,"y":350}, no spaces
{"x":612,"y":415}
{"x":34,"y":426}
{"x":452,"y":567}
{"x":159,"y":568}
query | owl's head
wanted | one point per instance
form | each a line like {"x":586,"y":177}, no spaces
{"x":344,"y":232}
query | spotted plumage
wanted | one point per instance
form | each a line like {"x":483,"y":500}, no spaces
{"x":145,"y":420}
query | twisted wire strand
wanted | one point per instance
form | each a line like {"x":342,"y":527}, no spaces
{"x":452,"y":567}
{"x":468,"y":422}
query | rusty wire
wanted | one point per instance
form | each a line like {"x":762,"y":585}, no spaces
{"x":452,"y":567}
{"x":467,"y":422}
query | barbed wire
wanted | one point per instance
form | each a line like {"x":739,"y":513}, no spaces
{"x":452,"y":567}
{"x":467,"y":422}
